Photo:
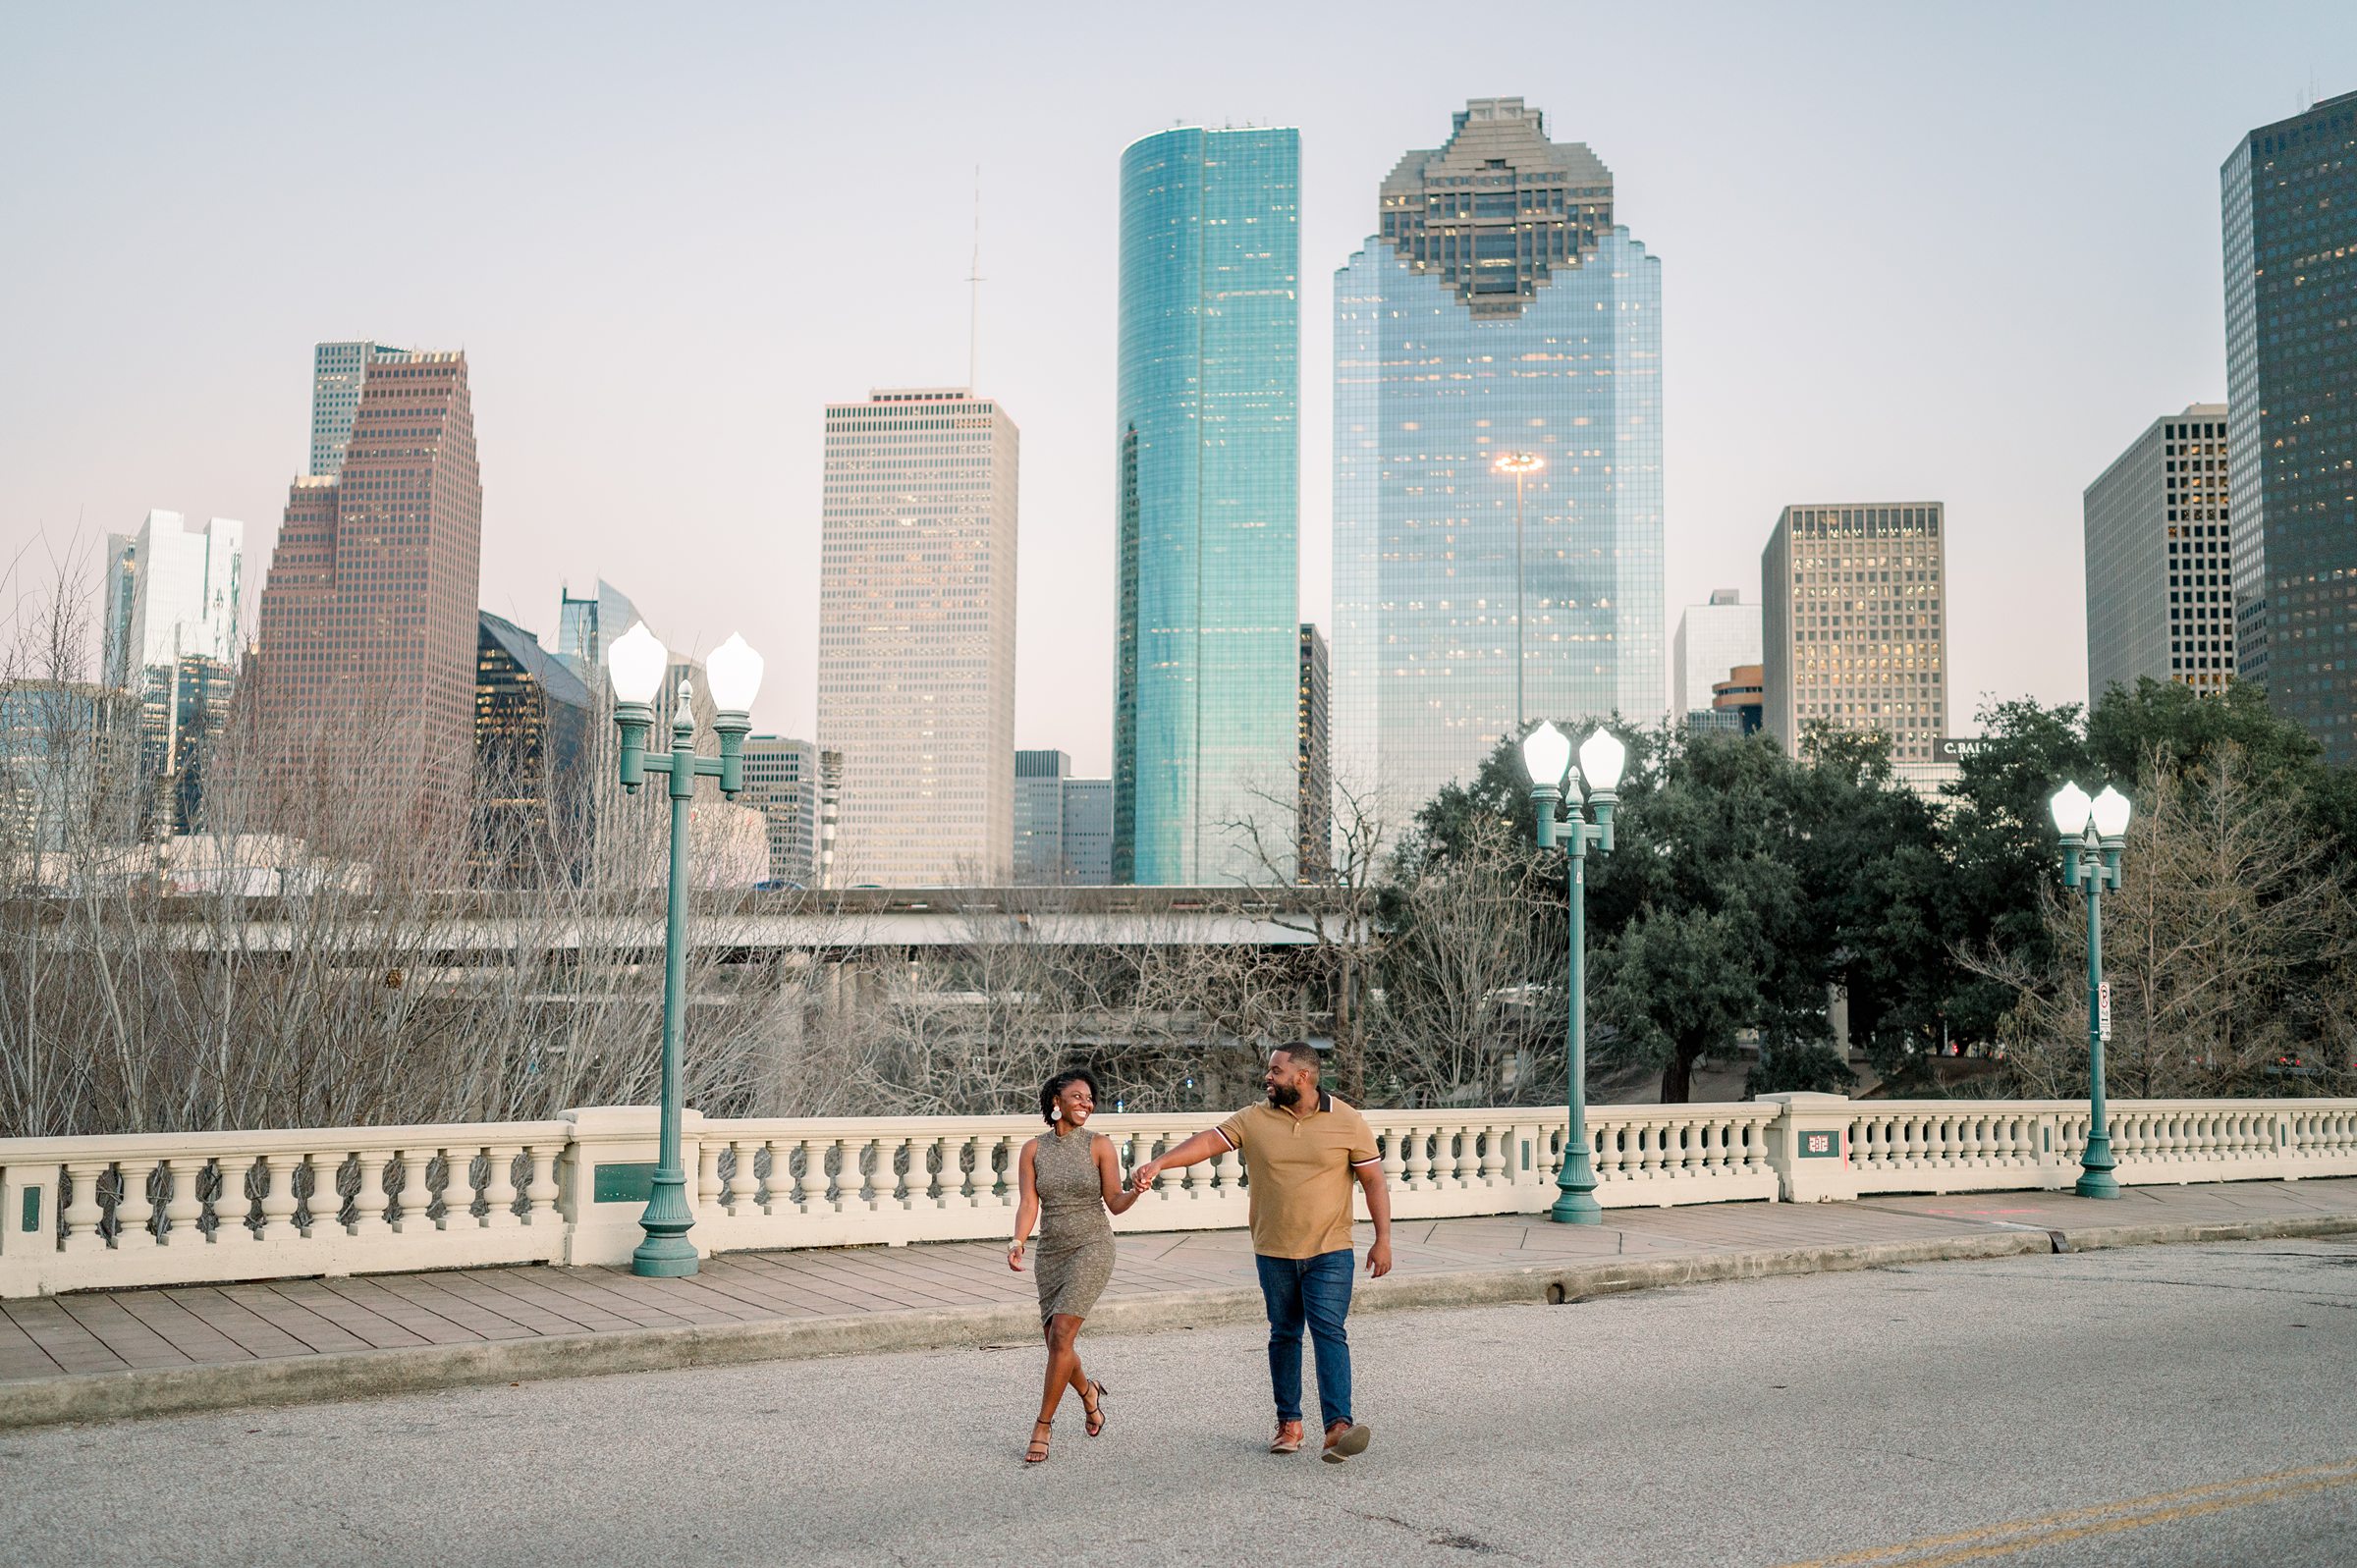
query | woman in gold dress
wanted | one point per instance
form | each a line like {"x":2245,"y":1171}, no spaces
{"x":1070,"y":1183}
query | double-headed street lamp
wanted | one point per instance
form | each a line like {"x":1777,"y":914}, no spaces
{"x":636,"y":664}
{"x":1520,"y":464}
{"x":2093,"y":832}
{"x":1547,"y":758}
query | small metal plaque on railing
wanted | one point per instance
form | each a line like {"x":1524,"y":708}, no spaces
{"x":33,"y":1208}
{"x":626,"y":1183}
{"x":1814,"y":1145}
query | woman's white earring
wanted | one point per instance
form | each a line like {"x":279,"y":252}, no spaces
{"x":1054,"y":1113}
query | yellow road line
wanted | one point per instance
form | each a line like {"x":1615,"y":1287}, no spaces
{"x":2100,"y":1519}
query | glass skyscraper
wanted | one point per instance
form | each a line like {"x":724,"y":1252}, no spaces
{"x":1498,"y":310}
{"x":1208,"y":455}
{"x":2289,"y":195}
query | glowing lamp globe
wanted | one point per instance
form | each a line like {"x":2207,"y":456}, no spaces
{"x":635,"y":662}
{"x":1545,"y":756}
{"x":2071,"y":808}
{"x":734,"y":673}
{"x":1601,"y":756}
{"x":2110,"y":811}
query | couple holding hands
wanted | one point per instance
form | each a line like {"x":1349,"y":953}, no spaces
{"x":1303,"y":1149}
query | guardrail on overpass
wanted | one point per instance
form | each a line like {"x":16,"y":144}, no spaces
{"x":106,"y":1213}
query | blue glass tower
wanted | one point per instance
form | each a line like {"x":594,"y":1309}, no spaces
{"x":1208,"y":434}
{"x":1498,"y":311}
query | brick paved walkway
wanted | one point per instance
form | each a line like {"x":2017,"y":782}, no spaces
{"x":216,"y":1324}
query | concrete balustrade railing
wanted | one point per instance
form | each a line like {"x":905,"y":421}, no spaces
{"x":193,"y":1208}
{"x":1831,"y":1147}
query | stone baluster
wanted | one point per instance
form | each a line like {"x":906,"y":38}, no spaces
{"x":1416,"y":1163}
{"x":540,"y":1194}
{"x":325,"y":1200}
{"x":1226,"y":1173}
{"x":184,"y":1207}
{"x":85,"y":1212}
{"x":368,"y":1221}
{"x":1492,"y":1154}
{"x":277,"y":1198}
{"x":974,"y":1165}
{"x":707,"y":1178}
{"x":1394,"y":1161}
{"x":499,"y":1188}
{"x":135,"y":1207}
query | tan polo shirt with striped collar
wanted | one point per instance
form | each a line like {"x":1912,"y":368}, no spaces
{"x":1302,"y":1171}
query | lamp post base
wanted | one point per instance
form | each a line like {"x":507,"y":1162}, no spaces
{"x":665,"y":1253}
{"x":2096,"y":1182}
{"x":1576,"y":1209}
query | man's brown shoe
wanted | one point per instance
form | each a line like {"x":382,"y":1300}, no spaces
{"x":1345,"y":1439}
{"x":1288,"y":1440}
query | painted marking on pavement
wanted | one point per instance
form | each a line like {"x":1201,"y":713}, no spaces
{"x":2101,"y":1519}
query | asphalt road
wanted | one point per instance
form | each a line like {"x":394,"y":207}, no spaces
{"x":2162,"y":1406}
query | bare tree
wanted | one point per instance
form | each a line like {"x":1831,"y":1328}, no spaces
{"x":2228,"y":916}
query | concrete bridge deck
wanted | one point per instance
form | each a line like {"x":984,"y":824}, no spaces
{"x":98,"y":1354}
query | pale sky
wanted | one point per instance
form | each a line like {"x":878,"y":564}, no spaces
{"x":1909,"y":252}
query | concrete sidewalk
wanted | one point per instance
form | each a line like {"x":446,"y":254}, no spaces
{"x":106,"y":1354}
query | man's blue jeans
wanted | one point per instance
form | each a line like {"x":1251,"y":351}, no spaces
{"x":1315,"y":1291}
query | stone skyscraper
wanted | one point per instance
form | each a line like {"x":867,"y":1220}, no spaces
{"x":1207,"y":461}
{"x":2290,"y":223}
{"x":1854,"y":613}
{"x":917,"y":635}
{"x":368,"y":620}
{"x":2158,"y":528}
{"x":1498,"y":310}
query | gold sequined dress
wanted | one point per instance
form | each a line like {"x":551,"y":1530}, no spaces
{"x":1075,"y":1253}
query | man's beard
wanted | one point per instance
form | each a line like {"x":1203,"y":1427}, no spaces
{"x":1283,"y":1096}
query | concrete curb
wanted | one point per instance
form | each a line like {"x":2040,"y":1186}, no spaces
{"x":358,"y":1374}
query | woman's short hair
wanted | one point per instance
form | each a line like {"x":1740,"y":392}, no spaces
{"x":1058,"y":1085}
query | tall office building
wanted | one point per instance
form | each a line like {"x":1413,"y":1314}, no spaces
{"x":533,"y":751}
{"x":1712,"y":639}
{"x":1088,"y":833}
{"x":781,"y":781}
{"x":339,"y":375}
{"x":173,"y":636}
{"x":2159,"y":529}
{"x":1207,"y":459}
{"x":1496,"y":312}
{"x":586,"y":625}
{"x":1039,"y":816}
{"x":1314,"y":760}
{"x":2290,"y":211}
{"x":368,"y":630}
{"x":916,"y":634}
{"x":1854,"y":606}
{"x":1062,"y":825}
{"x":171,"y":592}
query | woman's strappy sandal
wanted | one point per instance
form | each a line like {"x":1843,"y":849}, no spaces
{"x":1095,"y":1412}
{"x":1039,"y":1445}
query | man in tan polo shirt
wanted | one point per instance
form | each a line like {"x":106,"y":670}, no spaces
{"x":1301,"y":1148}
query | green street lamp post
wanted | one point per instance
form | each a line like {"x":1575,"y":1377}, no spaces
{"x":1547,"y":758}
{"x":2093,"y":832}
{"x":636,"y":664}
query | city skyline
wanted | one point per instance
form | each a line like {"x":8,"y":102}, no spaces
{"x":2078,"y":366}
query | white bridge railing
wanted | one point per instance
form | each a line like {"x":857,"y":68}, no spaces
{"x":101,"y":1213}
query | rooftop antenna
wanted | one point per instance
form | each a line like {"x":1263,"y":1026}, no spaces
{"x":973,"y":285}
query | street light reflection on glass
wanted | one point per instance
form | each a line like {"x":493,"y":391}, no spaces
{"x":1520,"y":465}
{"x":2093,"y":831}
{"x":1594,"y":787}
{"x":635,"y":663}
